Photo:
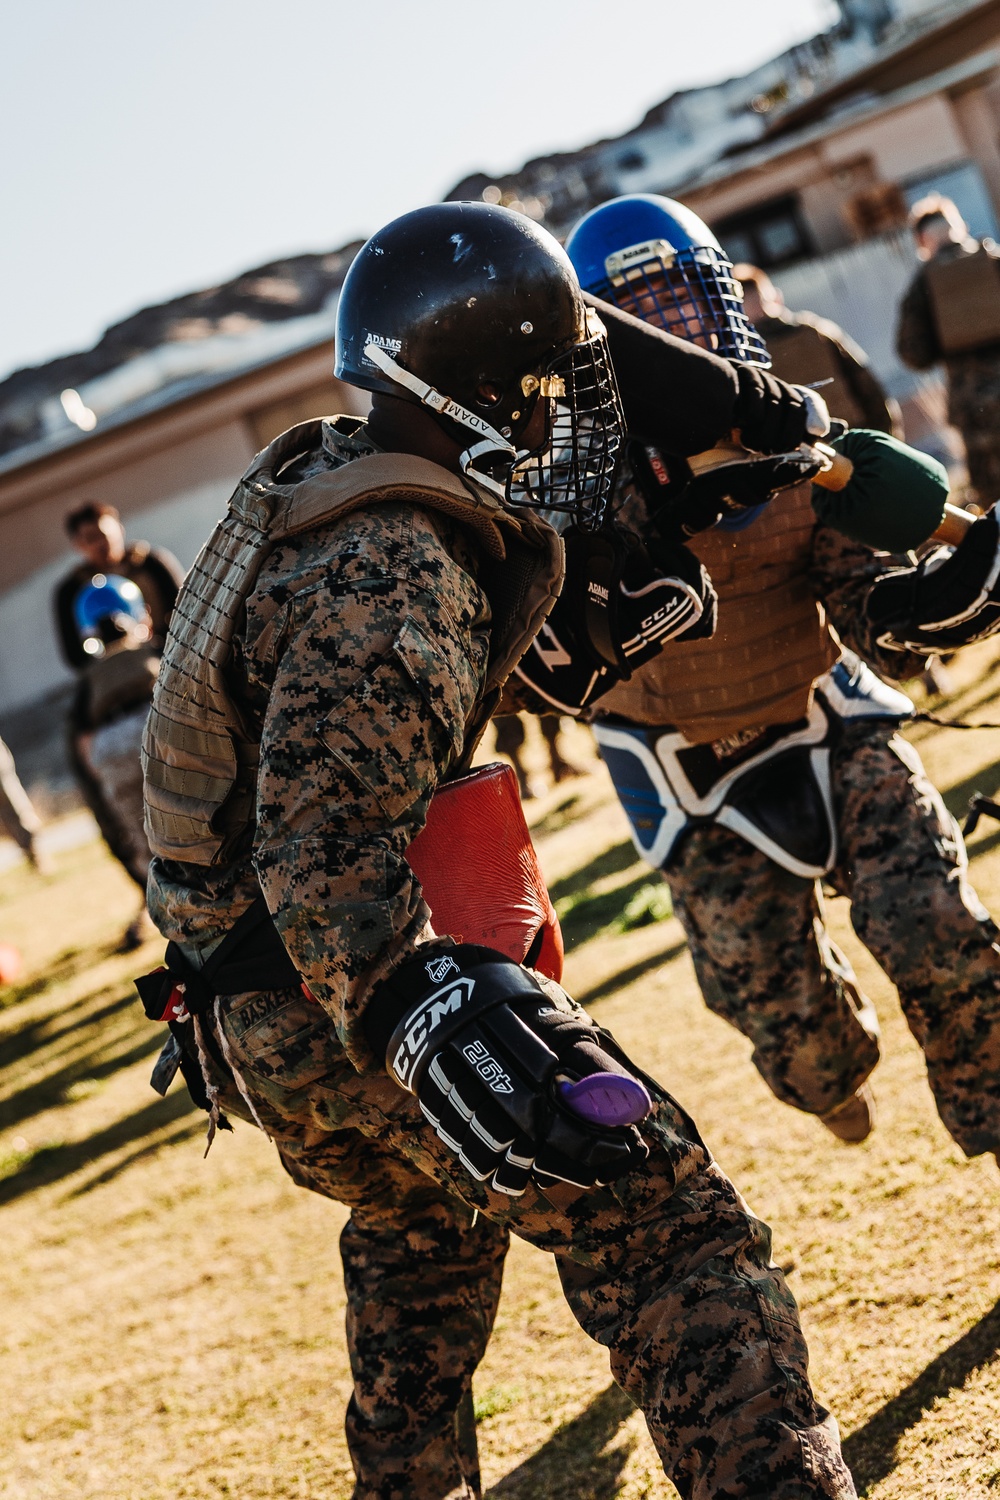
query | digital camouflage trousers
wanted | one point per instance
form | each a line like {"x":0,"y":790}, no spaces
{"x":667,"y":1268}
{"x":766,"y":963}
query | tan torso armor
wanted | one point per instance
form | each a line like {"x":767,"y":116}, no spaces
{"x":771,"y":643}
{"x":963,"y":288}
{"x":199,"y":759}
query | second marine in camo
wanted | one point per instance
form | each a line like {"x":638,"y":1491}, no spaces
{"x":755,"y":765}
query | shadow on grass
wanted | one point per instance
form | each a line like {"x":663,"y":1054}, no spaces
{"x":625,"y":977}
{"x":573,"y":1464}
{"x":69,"y":963}
{"x":184,"y":1133}
{"x":871,"y":1451}
{"x":582,"y":918}
{"x":53,"y":1163}
{"x":985,"y":780}
{"x":612,"y":862}
{"x":52,"y":1090}
{"x":984,"y":845}
{"x":76,"y":1018}
{"x":557,"y":817}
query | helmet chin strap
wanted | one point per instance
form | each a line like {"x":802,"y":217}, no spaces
{"x":491,"y":445}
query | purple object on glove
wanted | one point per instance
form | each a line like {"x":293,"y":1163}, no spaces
{"x":606,"y":1099}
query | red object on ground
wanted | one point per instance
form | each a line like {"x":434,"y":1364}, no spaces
{"x":480,"y":874}
{"x":11,"y":963}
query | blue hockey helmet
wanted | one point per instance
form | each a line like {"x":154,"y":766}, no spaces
{"x":656,"y":259}
{"x":106,"y":607}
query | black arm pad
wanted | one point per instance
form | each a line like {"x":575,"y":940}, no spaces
{"x":685,"y":400}
{"x":674,"y":395}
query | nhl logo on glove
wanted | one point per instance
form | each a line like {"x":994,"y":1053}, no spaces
{"x":440,"y":968}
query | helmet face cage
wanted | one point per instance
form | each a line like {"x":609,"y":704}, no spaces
{"x":689,"y":293}
{"x":575,"y":472}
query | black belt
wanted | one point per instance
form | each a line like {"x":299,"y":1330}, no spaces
{"x":251,"y":956}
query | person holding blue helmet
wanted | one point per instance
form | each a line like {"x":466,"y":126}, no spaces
{"x":760,"y":762}
{"x":115,"y":630}
{"x":97,"y":535}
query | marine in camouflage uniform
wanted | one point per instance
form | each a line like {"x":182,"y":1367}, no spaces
{"x":973,"y":377}
{"x":367,"y":653}
{"x":753,"y":763}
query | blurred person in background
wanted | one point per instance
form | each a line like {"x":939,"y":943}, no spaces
{"x":97,"y":534}
{"x":510,"y":738}
{"x":115,"y":691}
{"x":151,"y":577}
{"x":813,"y":351}
{"x":950,"y":315}
{"x":18,"y":818}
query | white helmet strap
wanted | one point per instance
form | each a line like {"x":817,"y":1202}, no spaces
{"x":491,"y":442}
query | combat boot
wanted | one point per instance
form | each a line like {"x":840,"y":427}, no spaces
{"x":854,"y":1120}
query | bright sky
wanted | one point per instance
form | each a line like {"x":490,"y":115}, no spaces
{"x":152,"y":149}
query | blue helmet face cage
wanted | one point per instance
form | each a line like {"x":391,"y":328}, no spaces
{"x":690,"y":293}
{"x":575,"y":472}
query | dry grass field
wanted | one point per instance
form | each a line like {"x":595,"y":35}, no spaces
{"x":172,"y":1326}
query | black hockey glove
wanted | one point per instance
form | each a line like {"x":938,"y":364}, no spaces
{"x":775,"y":417}
{"x":949,"y":599}
{"x":505,"y":1072}
{"x":621,"y":602}
{"x":687,"y":497}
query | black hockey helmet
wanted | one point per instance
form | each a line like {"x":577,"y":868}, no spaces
{"x":475,"y":312}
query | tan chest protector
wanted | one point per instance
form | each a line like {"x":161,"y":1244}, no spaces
{"x":199,"y":758}
{"x":964,"y":292}
{"x":771,"y":642}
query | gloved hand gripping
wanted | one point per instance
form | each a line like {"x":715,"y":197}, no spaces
{"x":949,"y":599}
{"x":621,"y":602}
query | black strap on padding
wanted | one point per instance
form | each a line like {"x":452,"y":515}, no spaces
{"x":251,"y":956}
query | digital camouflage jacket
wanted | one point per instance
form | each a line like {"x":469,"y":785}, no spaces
{"x":366,"y":664}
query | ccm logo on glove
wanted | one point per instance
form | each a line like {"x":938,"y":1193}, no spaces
{"x":516,"y":1081}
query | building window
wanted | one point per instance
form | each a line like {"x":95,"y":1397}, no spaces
{"x":771,"y":235}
